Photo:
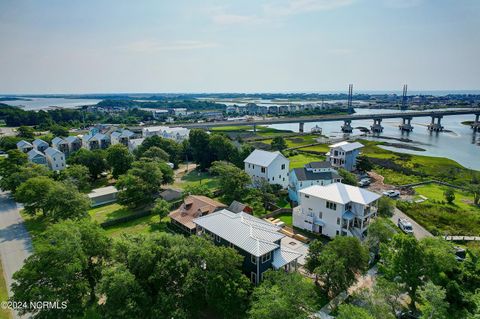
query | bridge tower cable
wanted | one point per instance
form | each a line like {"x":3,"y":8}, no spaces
{"x":404,"y":98}
{"x":350,"y":98}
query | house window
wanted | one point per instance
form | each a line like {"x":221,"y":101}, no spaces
{"x":232,"y":245}
{"x":283,"y":166}
{"x":307,"y":196}
{"x":338,"y":232}
{"x":279,"y":176}
{"x":338,"y":220}
{"x":253,"y":278}
{"x":262,"y":169}
{"x":320,"y":215}
{"x":217,"y":238}
{"x":266,"y":257}
{"x":332,"y":206}
{"x":273,"y":178}
{"x":253,"y":259}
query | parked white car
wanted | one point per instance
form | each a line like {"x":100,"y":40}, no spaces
{"x":391,"y":193}
{"x":364,"y":182}
{"x":405,"y":226}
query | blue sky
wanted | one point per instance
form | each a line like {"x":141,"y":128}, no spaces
{"x":238,"y":46}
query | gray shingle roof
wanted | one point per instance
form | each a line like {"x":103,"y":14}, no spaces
{"x":23,"y":143}
{"x":57,"y":140}
{"x":71,"y":139}
{"x":323,"y":164}
{"x":262,"y":158}
{"x":236,"y":207}
{"x":249,"y":233}
{"x":305,"y":175}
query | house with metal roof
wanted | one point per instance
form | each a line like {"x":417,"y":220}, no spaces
{"x":344,"y":155}
{"x":121,"y":137}
{"x":40,"y":145}
{"x":237,"y":207}
{"x":24,"y":146}
{"x":60,"y":144}
{"x":270,"y":166}
{"x":37,"y":157}
{"x":335,"y":210}
{"x":314,"y":173}
{"x":258,"y":241}
{"x":55,"y":159}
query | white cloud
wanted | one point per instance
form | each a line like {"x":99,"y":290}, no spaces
{"x":153,"y":45}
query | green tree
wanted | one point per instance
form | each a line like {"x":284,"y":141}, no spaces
{"x":202,"y":190}
{"x":278,"y":143}
{"x":20,"y":174}
{"x":403,"y":260}
{"x":475,"y":190}
{"x":161,"y":208}
{"x":221,"y":148}
{"x":347,"y":311}
{"x":165,"y":276}
{"x":312,"y":261}
{"x":364,"y":164}
{"x":233,"y":180}
{"x":167,"y":173}
{"x":348,"y":178}
{"x":265,"y":192}
{"x":439,"y":257}
{"x":34,"y":194}
{"x":64,"y":201}
{"x":379,"y":231}
{"x":59,"y":130}
{"x":199,"y":143}
{"x":339,"y":262}
{"x":282,"y":295}
{"x":171,"y":147}
{"x":78,"y":175}
{"x":386,"y":206}
{"x":65,"y":266}
{"x":449,"y":195}
{"x":120,"y":159}
{"x":432,"y":302}
{"x":156,"y":153}
{"x":9,"y":142}
{"x":26,"y":132}
{"x":95,"y":161}
{"x":139,"y":185}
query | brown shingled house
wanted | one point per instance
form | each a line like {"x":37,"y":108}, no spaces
{"x":193,"y":206}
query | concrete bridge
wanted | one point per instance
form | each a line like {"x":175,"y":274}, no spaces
{"x":376,"y":127}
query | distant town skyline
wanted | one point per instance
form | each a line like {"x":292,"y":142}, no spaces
{"x":60,"y":47}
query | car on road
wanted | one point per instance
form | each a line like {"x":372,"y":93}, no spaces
{"x":405,"y":226}
{"x":391,"y":193}
{"x":364,"y":182}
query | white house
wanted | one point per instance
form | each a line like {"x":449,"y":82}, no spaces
{"x":93,"y":141}
{"x":335,"y":209}
{"x":344,"y":155}
{"x":24,"y":146}
{"x":270,"y":166}
{"x":40,"y":145}
{"x":134,"y":143}
{"x":55,"y":159}
{"x":314,"y":173}
{"x":174,"y":133}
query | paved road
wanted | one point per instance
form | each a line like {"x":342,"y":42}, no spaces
{"x":418,"y":230}
{"x":15,"y":242}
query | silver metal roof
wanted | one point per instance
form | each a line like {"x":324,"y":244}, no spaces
{"x":39,"y":142}
{"x":262,"y":158}
{"x":52,"y":152}
{"x":249,"y":233}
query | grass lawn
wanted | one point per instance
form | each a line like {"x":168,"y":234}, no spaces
{"x":261,"y":130}
{"x":196,"y":177}
{"x":322,"y":148}
{"x":283,"y":202}
{"x":301,"y":159}
{"x":286,"y":218}
{"x":4,"y":313}
{"x":459,"y":218}
{"x":144,"y":225}
{"x":103,"y":213}
{"x":295,"y":141}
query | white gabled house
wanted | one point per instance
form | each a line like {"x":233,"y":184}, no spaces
{"x":55,"y":159}
{"x":121,"y":137}
{"x":270,"y":166}
{"x":313,"y":173}
{"x":344,"y":155}
{"x":74,"y":144}
{"x":335,"y":210}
